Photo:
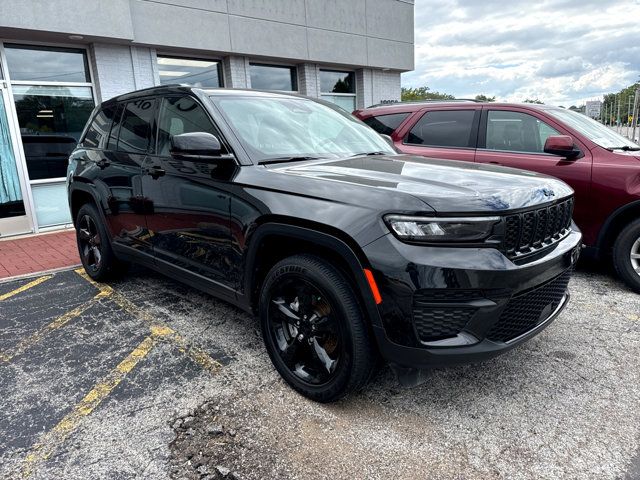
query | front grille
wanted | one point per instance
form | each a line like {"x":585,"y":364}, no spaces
{"x":523,"y":311}
{"x":529,"y":231}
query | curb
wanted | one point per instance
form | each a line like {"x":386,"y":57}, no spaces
{"x":37,"y":274}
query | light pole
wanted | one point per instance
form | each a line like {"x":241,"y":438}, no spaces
{"x":635,"y":114}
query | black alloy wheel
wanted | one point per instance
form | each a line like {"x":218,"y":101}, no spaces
{"x":89,"y":243}
{"x":314,"y":329}
{"x":305,"y":330}
{"x":94,"y":246}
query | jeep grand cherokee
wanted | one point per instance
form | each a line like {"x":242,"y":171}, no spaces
{"x":293,"y":209}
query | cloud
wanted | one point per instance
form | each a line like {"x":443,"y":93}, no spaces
{"x":561,"y":51}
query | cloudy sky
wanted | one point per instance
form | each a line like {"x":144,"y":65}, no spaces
{"x":563,"y":52}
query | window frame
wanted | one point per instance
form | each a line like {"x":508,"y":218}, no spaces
{"x":473,"y":137}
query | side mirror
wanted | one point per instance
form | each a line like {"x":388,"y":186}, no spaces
{"x":561,"y":145}
{"x":196,"y":146}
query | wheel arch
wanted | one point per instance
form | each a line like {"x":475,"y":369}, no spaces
{"x":614,"y":224}
{"x":272,"y":241}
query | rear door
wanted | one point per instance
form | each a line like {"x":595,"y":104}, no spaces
{"x":189,"y":218}
{"x":448,"y":133}
{"x":515,"y":138}
{"x":119,"y":168}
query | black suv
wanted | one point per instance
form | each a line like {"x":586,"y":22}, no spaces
{"x":291,"y":208}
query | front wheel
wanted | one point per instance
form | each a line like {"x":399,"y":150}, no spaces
{"x":314,"y":329}
{"x":626,"y":255}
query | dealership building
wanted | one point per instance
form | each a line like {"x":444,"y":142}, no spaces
{"x":60,"y":58}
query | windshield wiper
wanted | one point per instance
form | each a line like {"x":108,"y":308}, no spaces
{"x":369,"y":154}
{"x":625,"y":148}
{"x":287,"y":159}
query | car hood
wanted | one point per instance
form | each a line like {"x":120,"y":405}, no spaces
{"x":444,"y":185}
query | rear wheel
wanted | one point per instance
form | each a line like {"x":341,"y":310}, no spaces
{"x":94,"y":247}
{"x":626,"y":255}
{"x":314,"y":330}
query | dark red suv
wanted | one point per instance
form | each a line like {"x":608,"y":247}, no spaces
{"x":602,"y":167}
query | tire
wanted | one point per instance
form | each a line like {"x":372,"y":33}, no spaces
{"x":626,"y":255}
{"x":94,"y":246}
{"x":334,"y":325}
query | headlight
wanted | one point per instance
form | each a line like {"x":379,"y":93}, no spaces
{"x":426,"y":229}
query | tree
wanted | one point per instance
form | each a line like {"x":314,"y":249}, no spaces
{"x":422,"y":93}
{"x":484,"y":98}
{"x":533,"y":100}
{"x":625,"y":98}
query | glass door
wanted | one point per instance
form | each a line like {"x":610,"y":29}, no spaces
{"x":13,"y":217}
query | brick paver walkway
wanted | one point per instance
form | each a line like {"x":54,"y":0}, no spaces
{"x":36,"y":253}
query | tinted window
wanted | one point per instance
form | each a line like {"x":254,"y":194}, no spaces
{"x":47,"y":64}
{"x":386,"y":124}
{"x":516,"y":132}
{"x":181,"y":115}
{"x":199,"y":73}
{"x":337,"y":82}
{"x":271,"y":77}
{"x":98,"y":131}
{"x":135,"y":127}
{"x":450,"y":128}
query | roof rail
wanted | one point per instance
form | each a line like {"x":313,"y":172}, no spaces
{"x":412,"y":102}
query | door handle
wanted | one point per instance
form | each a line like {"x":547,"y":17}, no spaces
{"x":103,"y":163}
{"x":156,"y":172}
{"x":495,"y":163}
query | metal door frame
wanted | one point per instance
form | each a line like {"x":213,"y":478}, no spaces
{"x":24,"y":223}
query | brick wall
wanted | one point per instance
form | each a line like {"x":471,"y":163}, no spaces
{"x":119,"y":69}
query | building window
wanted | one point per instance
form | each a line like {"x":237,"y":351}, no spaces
{"x":198,"y":73}
{"x":51,"y":121}
{"x":273,"y":77}
{"x":339,"y":88}
{"x":46,"y":64}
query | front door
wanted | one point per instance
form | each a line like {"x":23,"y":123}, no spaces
{"x":189,"y":219}
{"x":13,"y":216}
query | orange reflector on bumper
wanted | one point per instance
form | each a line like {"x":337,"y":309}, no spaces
{"x":373,"y":286}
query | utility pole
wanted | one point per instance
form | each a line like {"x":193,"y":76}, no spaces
{"x":635,"y":114}
{"x":618,"y":122}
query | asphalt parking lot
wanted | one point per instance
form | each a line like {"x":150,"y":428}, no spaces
{"x":146,"y":378}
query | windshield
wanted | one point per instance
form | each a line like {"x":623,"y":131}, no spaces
{"x":280,"y":128}
{"x":594,"y":131}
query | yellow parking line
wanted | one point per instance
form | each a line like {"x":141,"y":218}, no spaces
{"x":50,"y":441}
{"x":24,"y":287}
{"x":60,"y":321}
{"x":196,"y":354}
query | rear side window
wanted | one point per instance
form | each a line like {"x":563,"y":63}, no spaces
{"x":386,"y":124}
{"x":446,"y":128}
{"x":135,"y":126}
{"x":98,"y":131}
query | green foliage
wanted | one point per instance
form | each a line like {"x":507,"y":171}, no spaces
{"x":422,"y":93}
{"x":484,"y":98}
{"x":533,"y":100}
{"x":625,"y":98}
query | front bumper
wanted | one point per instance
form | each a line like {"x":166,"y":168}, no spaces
{"x":471,"y":295}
